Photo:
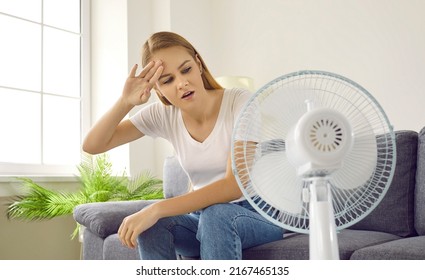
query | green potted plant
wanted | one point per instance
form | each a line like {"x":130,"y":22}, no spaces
{"x":98,"y":184}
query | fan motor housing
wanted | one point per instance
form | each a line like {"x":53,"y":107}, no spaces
{"x":318,"y":142}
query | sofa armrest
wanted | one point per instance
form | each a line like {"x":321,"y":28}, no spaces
{"x":104,"y":218}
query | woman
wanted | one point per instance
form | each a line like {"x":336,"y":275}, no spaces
{"x":197,"y":116}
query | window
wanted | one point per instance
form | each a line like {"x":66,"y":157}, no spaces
{"x":43,"y":77}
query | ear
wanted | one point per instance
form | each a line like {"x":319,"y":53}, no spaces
{"x":198,"y":61}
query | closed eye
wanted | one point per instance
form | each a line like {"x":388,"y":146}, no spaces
{"x":167,"y":81}
{"x":186,"y":70}
{"x":170,"y":79}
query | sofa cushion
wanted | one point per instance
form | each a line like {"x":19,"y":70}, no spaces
{"x":114,"y":250}
{"x":420,"y":186}
{"x":104,"y":218}
{"x":412,"y":248}
{"x":395,"y":213}
{"x":296,"y":246}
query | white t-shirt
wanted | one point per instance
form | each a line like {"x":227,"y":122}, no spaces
{"x":204,"y":162}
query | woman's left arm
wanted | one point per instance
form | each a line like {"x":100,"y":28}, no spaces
{"x":221,"y":191}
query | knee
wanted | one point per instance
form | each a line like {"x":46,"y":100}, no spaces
{"x":216,"y":214}
{"x":159,"y":228}
{"x":214,"y":220}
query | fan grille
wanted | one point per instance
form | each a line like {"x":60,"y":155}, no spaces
{"x":269,"y":181}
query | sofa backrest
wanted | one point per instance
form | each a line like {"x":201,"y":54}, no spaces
{"x":420,"y":186}
{"x":395,"y":213}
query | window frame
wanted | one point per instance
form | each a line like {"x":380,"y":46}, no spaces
{"x":8,"y":170}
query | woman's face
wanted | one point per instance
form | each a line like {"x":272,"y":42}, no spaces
{"x":180,"y":81}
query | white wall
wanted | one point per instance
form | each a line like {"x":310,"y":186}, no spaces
{"x":377,"y":43}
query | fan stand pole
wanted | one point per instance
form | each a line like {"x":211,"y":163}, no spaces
{"x":323,"y":237}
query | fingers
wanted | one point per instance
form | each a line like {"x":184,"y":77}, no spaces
{"x":127,"y":236}
{"x":133,"y":71}
{"x":133,"y":225}
{"x":146,"y":69}
{"x":156,"y":75}
{"x":124,"y":234}
{"x":151,"y":70}
{"x":132,"y":240}
{"x":128,"y":239}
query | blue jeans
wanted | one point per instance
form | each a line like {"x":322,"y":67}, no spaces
{"x":218,"y":232}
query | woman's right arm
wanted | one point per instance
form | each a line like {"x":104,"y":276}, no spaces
{"x":111,"y":130}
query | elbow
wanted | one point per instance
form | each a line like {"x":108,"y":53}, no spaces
{"x":89,"y":148}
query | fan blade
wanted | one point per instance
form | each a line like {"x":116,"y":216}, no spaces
{"x":274,"y":179}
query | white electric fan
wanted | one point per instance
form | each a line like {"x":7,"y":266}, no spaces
{"x":313,"y":152}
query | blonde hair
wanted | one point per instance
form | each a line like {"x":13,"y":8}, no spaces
{"x":165,"y":39}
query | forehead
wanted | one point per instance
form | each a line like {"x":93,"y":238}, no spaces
{"x":172,"y":57}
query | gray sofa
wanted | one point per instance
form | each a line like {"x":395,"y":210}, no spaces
{"x":395,"y":229}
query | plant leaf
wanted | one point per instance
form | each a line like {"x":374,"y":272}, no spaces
{"x":98,"y":184}
{"x":41,"y":203}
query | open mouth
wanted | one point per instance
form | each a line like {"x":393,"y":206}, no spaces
{"x":188,"y":94}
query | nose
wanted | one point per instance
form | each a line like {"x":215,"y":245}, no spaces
{"x":183,"y":83}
